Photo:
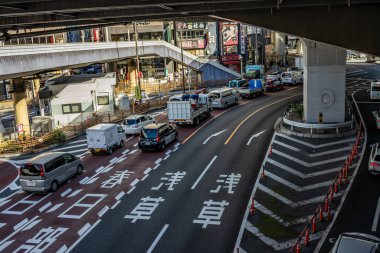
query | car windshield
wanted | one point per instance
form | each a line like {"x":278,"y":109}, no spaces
{"x":375,"y":88}
{"x":287,"y":75}
{"x":149,"y":133}
{"x":130,"y":122}
{"x":348,"y":244}
{"x":30,"y":170}
{"x":214,"y":95}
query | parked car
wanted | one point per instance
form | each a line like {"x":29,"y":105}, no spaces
{"x":356,"y":243}
{"x":105,"y":138}
{"x":224,"y":97}
{"x":157,"y":136}
{"x":293,"y":78}
{"x":274,"y":85}
{"x":374,"y":160}
{"x":134,"y":123}
{"x":47,"y":171}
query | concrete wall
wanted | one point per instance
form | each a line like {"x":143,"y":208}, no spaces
{"x":324,"y":82}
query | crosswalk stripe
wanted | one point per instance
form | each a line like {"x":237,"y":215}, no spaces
{"x":84,"y":140}
{"x":79,"y":150}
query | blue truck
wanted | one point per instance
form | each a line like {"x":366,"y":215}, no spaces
{"x":247,"y":89}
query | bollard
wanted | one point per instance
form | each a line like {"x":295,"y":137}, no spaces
{"x":326,"y":204}
{"x":314,"y":225}
{"x":340,"y":177}
{"x":263,"y":173}
{"x":335,"y":186}
{"x":331,"y":194}
{"x":270,"y":150}
{"x":298,"y":248}
{"x":320,"y":214}
{"x":328,"y":214}
{"x":252,"y":208}
{"x":307,"y":237}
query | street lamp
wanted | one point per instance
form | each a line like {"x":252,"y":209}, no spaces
{"x":241,"y":64}
{"x":138,"y":91}
{"x":182,"y":64}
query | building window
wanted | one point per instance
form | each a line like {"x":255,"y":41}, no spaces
{"x":103,"y":100}
{"x":71,"y":108}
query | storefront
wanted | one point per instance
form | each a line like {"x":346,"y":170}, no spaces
{"x":192,"y":37}
{"x":232,"y":61}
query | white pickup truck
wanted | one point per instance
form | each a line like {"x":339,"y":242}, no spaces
{"x":188,"y":108}
{"x":105,"y":138}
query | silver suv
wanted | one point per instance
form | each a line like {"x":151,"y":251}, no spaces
{"x":46,"y":171}
{"x":356,"y":243}
{"x":374,"y":160}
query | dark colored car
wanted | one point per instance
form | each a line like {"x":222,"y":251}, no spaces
{"x":274,"y":85}
{"x":157,"y":136}
{"x":355,"y":243}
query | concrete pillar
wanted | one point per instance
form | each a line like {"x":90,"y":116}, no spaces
{"x":324,"y":82}
{"x":132,"y":71}
{"x":20,"y":106}
{"x":279,"y":46}
{"x":37,"y":85}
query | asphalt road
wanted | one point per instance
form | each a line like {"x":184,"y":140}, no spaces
{"x":135,"y":201}
{"x":361,"y":205}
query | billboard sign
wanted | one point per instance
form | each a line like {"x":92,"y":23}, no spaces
{"x":230,"y":34}
{"x":192,"y":44}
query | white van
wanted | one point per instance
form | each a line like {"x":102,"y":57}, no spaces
{"x":375,"y":90}
{"x":224,"y":97}
{"x":293,"y":77}
{"x":105,"y":138}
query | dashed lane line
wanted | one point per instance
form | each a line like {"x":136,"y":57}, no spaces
{"x":70,"y":147}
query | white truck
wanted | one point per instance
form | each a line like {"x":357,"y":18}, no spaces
{"x":105,"y":138}
{"x":188,"y":108}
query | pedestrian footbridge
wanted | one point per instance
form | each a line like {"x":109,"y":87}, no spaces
{"x":20,"y":61}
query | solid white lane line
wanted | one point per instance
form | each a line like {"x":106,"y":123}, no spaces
{"x":135,"y":182}
{"x":203,"y":173}
{"x":129,"y":138}
{"x":120,"y":195}
{"x":151,"y":248}
{"x":213,"y":135}
{"x":147,"y":170}
{"x":376,"y":218}
{"x":125,"y":151}
{"x":254,"y":136}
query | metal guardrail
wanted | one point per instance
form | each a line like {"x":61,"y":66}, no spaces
{"x":293,"y":124}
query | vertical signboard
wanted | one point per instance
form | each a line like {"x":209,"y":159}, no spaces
{"x":242,"y":39}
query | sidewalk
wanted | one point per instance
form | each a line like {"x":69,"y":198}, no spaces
{"x":296,"y":177}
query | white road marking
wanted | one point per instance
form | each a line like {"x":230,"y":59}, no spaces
{"x":83,"y":236}
{"x":312,"y":155}
{"x":55,"y":207}
{"x":62,"y":249}
{"x":135,"y":182}
{"x":135,"y":145}
{"x":84,"y":229}
{"x":306,"y":164}
{"x":376,"y":218}
{"x":26,"y":203}
{"x":168,"y":152}
{"x":300,"y":174}
{"x":46,"y":206}
{"x":103,"y":211}
{"x":83,"y":205}
{"x":316,"y":146}
{"x":131,"y":190}
{"x":155,"y":167}
{"x":133,"y":151}
{"x":158,"y":161}
{"x":147,"y":170}
{"x":73,"y":142}
{"x":79,"y":151}
{"x":166,"y":157}
{"x":254,"y":136}
{"x":125,"y":151}
{"x":2,"y":224}
{"x":177,"y":145}
{"x":130,"y":138}
{"x":116,"y":204}
{"x":214,"y":135}
{"x":147,"y":175}
{"x":120,"y":195}
{"x":157,"y":238}
{"x":75,"y":193}
{"x":204,"y":172}
{"x":63,"y":194}
{"x":70,"y":147}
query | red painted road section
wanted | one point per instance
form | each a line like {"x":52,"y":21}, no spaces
{"x":8,"y":174}
{"x":54,"y":222}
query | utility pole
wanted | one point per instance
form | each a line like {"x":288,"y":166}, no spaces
{"x":256,"y":48}
{"x":138,"y":91}
{"x":182,"y":66}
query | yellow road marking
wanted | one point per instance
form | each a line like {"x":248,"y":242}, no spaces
{"x":241,"y":123}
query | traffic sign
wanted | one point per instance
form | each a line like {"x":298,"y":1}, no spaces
{"x":20,"y":128}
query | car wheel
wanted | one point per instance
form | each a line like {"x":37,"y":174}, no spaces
{"x":54,"y":186}
{"x":225,"y":105}
{"x":236,"y":101}
{"x":80,"y":170}
{"x":110,"y":151}
{"x":163,"y":145}
{"x":176,"y":137}
{"x":121,"y":144}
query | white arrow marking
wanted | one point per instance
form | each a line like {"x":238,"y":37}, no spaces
{"x":214,"y":135}
{"x":254,"y":136}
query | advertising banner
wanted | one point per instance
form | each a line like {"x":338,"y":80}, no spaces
{"x":230,"y":34}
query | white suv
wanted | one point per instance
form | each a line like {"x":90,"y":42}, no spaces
{"x":374,"y":160}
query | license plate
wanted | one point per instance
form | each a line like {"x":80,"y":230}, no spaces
{"x":214,"y":103}
{"x":147,"y":143}
{"x":97,"y":149}
{"x":30,"y":183}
